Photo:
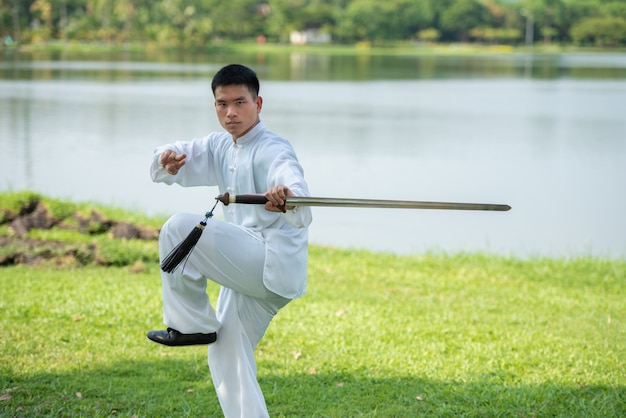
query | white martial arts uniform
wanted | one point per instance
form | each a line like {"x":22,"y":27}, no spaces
{"x":258,"y":257}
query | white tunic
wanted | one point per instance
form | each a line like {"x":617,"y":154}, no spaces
{"x":258,"y":161}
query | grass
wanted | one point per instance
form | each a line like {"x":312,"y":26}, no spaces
{"x":377,"y":335}
{"x":360,"y":48}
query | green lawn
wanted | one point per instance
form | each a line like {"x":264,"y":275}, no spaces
{"x":376,"y":335}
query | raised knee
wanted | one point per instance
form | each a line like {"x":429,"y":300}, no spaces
{"x":179,"y":224}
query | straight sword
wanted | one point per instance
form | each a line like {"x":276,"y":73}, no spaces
{"x":227,"y":199}
{"x":182,"y":250}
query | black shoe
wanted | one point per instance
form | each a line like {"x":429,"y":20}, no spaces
{"x":172,"y":337}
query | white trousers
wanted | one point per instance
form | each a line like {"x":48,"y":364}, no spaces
{"x":234,"y":258}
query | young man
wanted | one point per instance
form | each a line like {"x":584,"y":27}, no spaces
{"x":258,"y":255}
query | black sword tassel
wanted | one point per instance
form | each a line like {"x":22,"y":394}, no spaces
{"x":183,"y":250}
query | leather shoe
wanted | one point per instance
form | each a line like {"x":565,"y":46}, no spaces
{"x":172,"y":338}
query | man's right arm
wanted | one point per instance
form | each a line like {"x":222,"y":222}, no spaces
{"x":158,"y":170}
{"x":187,"y":163}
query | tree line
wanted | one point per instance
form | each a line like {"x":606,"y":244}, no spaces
{"x":197,"y":23}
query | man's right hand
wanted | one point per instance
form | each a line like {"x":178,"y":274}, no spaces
{"x":172,"y":162}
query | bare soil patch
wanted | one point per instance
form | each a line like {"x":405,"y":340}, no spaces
{"x":18,"y":248}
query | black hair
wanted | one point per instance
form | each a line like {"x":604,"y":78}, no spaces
{"x":236,"y":75}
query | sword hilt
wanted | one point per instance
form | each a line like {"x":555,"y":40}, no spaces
{"x":252,"y":199}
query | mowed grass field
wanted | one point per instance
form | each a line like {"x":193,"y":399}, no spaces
{"x":377,"y":335}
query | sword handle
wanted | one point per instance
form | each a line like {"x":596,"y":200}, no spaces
{"x":252,"y":199}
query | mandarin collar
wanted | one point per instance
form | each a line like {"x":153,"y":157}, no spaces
{"x":250,"y":136}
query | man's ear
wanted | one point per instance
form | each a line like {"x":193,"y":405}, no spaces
{"x":259,"y":104}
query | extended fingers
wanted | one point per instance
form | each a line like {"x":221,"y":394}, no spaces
{"x":180,"y":158}
{"x":172,"y":161}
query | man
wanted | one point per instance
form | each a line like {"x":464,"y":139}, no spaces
{"x":258,"y":255}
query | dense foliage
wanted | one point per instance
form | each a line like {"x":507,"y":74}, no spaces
{"x":201,"y":22}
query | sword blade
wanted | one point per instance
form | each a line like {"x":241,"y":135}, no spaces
{"x":395,"y":204}
{"x":227,"y":199}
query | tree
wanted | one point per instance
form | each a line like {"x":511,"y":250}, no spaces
{"x":365,"y":20}
{"x":614,"y":9}
{"x":13,"y":18}
{"x":374,"y":20}
{"x":551,"y":18}
{"x":600,"y":31}
{"x":286,"y":16}
{"x":461,"y":16}
{"x":197,"y":22}
{"x":42,"y":13}
{"x":415,"y":15}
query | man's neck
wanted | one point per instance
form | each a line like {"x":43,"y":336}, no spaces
{"x":235,"y":138}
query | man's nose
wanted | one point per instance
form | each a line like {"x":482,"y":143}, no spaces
{"x":231,"y":111}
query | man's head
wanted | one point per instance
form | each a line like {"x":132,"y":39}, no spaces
{"x":237,"y":100}
{"x":236,"y":75}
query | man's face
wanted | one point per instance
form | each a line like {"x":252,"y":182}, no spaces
{"x":236,"y":109}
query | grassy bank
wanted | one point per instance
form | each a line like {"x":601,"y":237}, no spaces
{"x":363,"y":48}
{"x":36,"y":229}
{"x":376,"y":336}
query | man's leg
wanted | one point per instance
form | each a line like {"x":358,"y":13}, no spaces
{"x":244,"y":320}
{"x":226,"y":254}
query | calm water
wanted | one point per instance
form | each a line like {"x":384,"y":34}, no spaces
{"x":546,"y":135}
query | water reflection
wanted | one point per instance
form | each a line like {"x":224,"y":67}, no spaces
{"x":315,"y":67}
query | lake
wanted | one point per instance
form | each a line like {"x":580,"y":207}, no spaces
{"x":544,"y":134}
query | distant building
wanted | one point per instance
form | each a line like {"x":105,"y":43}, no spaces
{"x":309,"y":36}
